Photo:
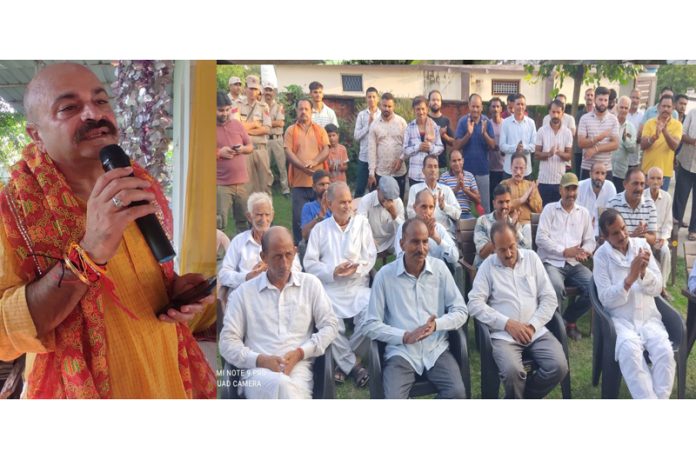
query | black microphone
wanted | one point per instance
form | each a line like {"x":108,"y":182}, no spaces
{"x":112,"y":157}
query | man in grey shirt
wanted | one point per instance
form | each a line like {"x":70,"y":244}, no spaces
{"x":513,"y":296}
{"x":413,"y":303}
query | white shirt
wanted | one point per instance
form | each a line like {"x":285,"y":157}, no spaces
{"x":242,"y":255}
{"x":559,"y":230}
{"x":663,"y":204}
{"x":329,"y":246}
{"x":587,"y":199}
{"x":523,"y":293}
{"x":636,"y":118}
{"x":324,"y":116}
{"x":552,"y":169}
{"x":381,"y":222}
{"x":446,"y":250}
{"x":446,"y":217}
{"x":261,"y":319}
{"x":362,"y":128}
{"x":567,"y":121}
{"x":514,"y":132}
{"x":637,"y":305}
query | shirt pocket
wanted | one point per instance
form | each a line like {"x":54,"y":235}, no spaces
{"x":299,"y":318}
{"x":526,"y":287}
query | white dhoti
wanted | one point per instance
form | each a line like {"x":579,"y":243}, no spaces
{"x":642,"y":380}
{"x":343,"y":349}
{"x":664,"y":259}
{"x":261,"y":383}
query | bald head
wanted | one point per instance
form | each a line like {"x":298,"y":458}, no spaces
{"x":40,"y":87}
{"x":278,"y":234}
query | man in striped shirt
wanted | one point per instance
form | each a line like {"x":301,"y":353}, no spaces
{"x":598,"y":134}
{"x":554,"y":143}
{"x":422,"y":138}
{"x":463,"y":184}
{"x":638,"y":211}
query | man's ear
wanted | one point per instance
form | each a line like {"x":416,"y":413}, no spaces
{"x":33,"y":132}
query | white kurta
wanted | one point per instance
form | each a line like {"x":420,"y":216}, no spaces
{"x":242,"y":255}
{"x":329,"y":246}
{"x":261,"y":319}
{"x":636,"y":319}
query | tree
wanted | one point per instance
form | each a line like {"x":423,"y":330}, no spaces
{"x":224,"y":72}
{"x":12,"y":138}
{"x":679,"y":77}
{"x":590,"y":73}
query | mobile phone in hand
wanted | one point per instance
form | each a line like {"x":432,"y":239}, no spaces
{"x":190,"y":296}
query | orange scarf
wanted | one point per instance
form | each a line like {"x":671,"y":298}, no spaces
{"x":42,"y":217}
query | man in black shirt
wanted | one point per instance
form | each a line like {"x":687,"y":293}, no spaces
{"x":446,"y":134}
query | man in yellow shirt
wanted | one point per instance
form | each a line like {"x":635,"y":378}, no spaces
{"x":660,"y":139}
{"x":78,"y":283}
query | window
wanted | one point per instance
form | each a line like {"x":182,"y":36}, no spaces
{"x":352,"y":83}
{"x":505,"y":87}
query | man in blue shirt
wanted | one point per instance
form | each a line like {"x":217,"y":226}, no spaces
{"x":315,"y":211}
{"x":413,"y":303}
{"x":474,"y":138}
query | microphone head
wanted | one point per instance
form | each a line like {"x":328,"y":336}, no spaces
{"x":113,"y":156}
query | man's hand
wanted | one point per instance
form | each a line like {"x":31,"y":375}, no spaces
{"x":525,"y":197}
{"x":106,"y":222}
{"x":658,"y":244}
{"x":390,"y":206}
{"x":583,"y":256}
{"x":432,"y":230}
{"x":186,"y":313}
{"x":396,"y":165}
{"x":345,"y":269}
{"x":424,"y":146}
{"x":641,"y":230}
{"x":291,"y":359}
{"x":520,"y":148}
{"x":638,"y":266}
{"x":576,"y":252}
{"x":522,"y":333}
{"x":371,"y":182}
{"x":484,"y":125}
{"x":271,"y":362}
{"x":441,"y":199}
{"x":470,"y":127}
{"x":514,"y":215}
{"x":227,"y":153}
{"x":422,"y":332}
{"x":259,"y":268}
{"x":324,"y":205}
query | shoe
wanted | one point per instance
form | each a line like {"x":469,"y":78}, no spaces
{"x":360,"y":376}
{"x":573,"y":332}
{"x":339,"y":376}
{"x":666,"y":295}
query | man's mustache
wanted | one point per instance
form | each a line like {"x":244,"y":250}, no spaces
{"x":92,"y":125}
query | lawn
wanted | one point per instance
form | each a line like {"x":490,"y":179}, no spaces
{"x":580,"y":352}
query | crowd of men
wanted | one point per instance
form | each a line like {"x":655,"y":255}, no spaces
{"x":620,"y":212}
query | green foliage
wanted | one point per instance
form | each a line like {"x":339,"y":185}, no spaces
{"x":288,"y":98}
{"x":589,"y":74}
{"x":679,"y":77}
{"x":13,"y":137}
{"x":224,"y":72}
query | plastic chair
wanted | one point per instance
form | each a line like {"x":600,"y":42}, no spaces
{"x":605,"y":365}
{"x":490,"y":376}
{"x":322,"y":368}
{"x":421,"y":387}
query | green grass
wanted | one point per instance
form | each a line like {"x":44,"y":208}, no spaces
{"x":580,"y":352}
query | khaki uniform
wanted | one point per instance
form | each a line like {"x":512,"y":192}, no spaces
{"x":258,"y":163}
{"x":236,"y":103}
{"x":275,"y":145}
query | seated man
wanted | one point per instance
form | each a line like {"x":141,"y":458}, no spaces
{"x":317,"y":210}
{"x":384,"y":210}
{"x":663,"y":207}
{"x":501,"y":212}
{"x":242,"y":260}
{"x":595,"y":192}
{"x":414,"y":302}
{"x":565,"y":240}
{"x":463,"y":184}
{"x":513,"y":296}
{"x":267,"y":330}
{"x":447,"y":211}
{"x":637,"y":210}
{"x":441,"y":244}
{"x":524,"y":193}
{"x":341,"y":252}
{"x":627,"y":280}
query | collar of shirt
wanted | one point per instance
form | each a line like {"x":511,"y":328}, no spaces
{"x":648,"y":195}
{"x":622,"y":197}
{"x":499,"y":264}
{"x":250,"y":238}
{"x":559,"y":206}
{"x":263,"y":282}
{"x":401,"y":267}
